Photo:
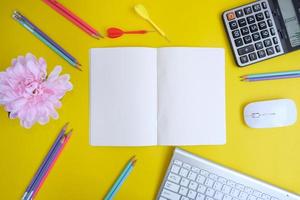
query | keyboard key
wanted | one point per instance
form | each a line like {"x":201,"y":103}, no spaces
{"x":246,"y":50}
{"x":183,"y":172}
{"x":257,"y":193}
{"x":262,"y":25}
{"x":242,"y":22}
{"x":261,"y":53}
{"x":218,"y":195}
{"x":193,"y":185}
{"x":210,"y":192}
{"x":184,"y":182}
{"x":264,"y":5}
{"x":270,"y":23}
{"x":174,"y":178}
{"x":265,"y":197}
{"x":201,"y":189}
{"x":196,"y":170}
{"x":272,"y":30}
{"x":184,"y":198}
{"x":172,"y":186}
{"x":251,"y":19}
{"x":273,"y":198}
{"x":267,"y":42}
{"x":251,"y":197}
{"x":239,"y":13}
{"x":258,"y":46}
{"x":259,"y":17}
{"x":275,"y":40}
{"x":222,"y":180}
{"x":230,"y":16}
{"x":183,"y":191}
{"x":245,"y":31}
{"x":264,"y":33}
{"x":270,"y":51}
{"x":192,"y":176}
{"x":252,"y":56}
{"x":226,"y":189}
{"x":161,"y":198}
{"x":170,"y":195}
{"x":243,"y":196}
{"x":244,"y":59}
{"x":253,"y":28}
{"x":175,"y":169}
{"x":248,"y":190}
{"x":255,"y":36}
{"x":218,"y":186}
{"x":239,"y":186}
{"x":267,"y":14}
{"x":248,"y":10}
{"x":213,"y":176}
{"x":235,"y":192}
{"x":200,"y":179}
{"x":231,"y":183}
{"x":208,"y":198}
{"x":177,"y":162}
{"x":277,"y":48}
{"x":204,"y":173}
{"x":192,"y":194}
{"x":209,"y":182}
{"x":256,"y":7}
{"x":247,"y":39}
{"x":186,"y":166}
{"x":227,"y":197}
{"x":200,"y":196}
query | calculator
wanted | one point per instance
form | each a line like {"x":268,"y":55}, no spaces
{"x":263,"y":29}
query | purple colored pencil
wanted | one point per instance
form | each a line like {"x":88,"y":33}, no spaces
{"x":272,"y":78}
{"x":60,"y":135}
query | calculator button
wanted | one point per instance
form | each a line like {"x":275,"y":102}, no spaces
{"x":275,"y":40}
{"x":267,"y":14}
{"x":236,"y":34}
{"x":245,"y":31}
{"x":253,"y":28}
{"x":262,"y":25}
{"x":247,"y":39}
{"x":252,"y":56}
{"x":238,"y":42}
{"x":270,"y":23}
{"x":256,"y":7}
{"x":248,"y":10}
{"x":242,"y":22}
{"x":264,"y":34}
{"x":255,"y":36}
{"x":272,"y":30}
{"x":233,"y":25}
{"x":230,"y":16}
{"x":246,"y":50}
{"x":264,"y":5}
{"x":250,"y":19}
{"x":268,"y":43}
{"x":259,"y":16}
{"x":261,"y":53}
{"x":244,"y":59}
{"x":270,"y":51}
{"x":239,"y":13}
{"x":259,"y":45}
{"x":277,"y":48}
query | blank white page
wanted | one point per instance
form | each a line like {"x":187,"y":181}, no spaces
{"x":191,"y":96}
{"x":123,"y":97}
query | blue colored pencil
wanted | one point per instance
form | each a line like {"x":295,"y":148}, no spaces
{"x":271,"y":74}
{"x":39,"y":31}
{"x":125,"y":173}
{"x":60,"y":135}
{"x":26,"y":26}
{"x":272,"y":78}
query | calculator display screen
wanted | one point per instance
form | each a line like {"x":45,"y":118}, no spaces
{"x":291,"y":21}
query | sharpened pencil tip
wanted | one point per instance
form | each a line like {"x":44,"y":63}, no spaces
{"x":65,"y":126}
{"x":77,"y":67}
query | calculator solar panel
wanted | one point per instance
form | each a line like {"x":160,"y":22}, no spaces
{"x":252,"y":33}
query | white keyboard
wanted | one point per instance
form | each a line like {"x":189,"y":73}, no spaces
{"x":191,"y":177}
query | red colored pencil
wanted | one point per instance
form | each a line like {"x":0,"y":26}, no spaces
{"x":67,"y":137}
{"x":73,"y":18}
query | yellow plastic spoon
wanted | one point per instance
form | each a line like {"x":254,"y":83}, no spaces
{"x":142,"y":11}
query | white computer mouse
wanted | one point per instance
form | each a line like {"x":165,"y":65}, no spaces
{"x":270,"y":114}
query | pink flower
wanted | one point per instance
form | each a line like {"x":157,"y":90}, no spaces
{"x":28,"y":94}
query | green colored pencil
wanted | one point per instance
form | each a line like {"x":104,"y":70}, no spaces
{"x":270,"y":74}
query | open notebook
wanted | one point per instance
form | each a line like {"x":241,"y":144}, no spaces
{"x":149,"y":96}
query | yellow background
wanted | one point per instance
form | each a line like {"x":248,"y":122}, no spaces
{"x":85,"y":172}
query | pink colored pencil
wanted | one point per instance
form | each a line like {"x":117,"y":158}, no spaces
{"x":72,"y":18}
{"x":67,"y":137}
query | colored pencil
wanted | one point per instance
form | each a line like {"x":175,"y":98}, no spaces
{"x":121,"y":179}
{"x":270,"y":74}
{"x":46,"y":42}
{"x":46,"y":37}
{"x":66,"y":139}
{"x":60,"y":135}
{"x":69,"y":15}
{"x":271,"y":78}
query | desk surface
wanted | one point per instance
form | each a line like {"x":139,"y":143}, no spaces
{"x":85,"y":172}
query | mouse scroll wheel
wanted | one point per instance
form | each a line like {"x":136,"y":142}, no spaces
{"x":255,"y":115}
